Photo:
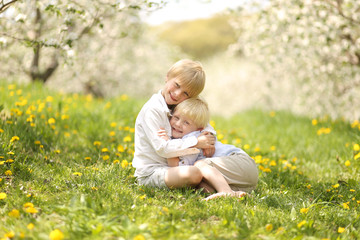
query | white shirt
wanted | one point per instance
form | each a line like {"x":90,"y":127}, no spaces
{"x":151,"y":151}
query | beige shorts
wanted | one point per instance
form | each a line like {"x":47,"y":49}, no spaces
{"x":157,"y":179}
{"x":239,"y":170}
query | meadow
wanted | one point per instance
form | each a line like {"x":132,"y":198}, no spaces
{"x":66,"y":173}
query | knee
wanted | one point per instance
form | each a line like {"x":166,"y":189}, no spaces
{"x":195,"y":176}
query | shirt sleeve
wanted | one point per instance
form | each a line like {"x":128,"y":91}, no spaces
{"x":152,"y":122}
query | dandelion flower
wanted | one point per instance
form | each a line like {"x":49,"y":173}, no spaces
{"x":97,"y":143}
{"x":302,"y":223}
{"x":112,"y":133}
{"x":31,"y":210}
{"x":113,"y":124}
{"x":116,"y":161}
{"x":246,"y":147}
{"x":51,"y":120}
{"x":14,"y":213}
{"x":9,"y":235}
{"x":120,"y":148}
{"x":1,"y":130}
{"x":77,"y":174}
{"x":341,"y":230}
{"x":336,"y":185}
{"x":346,"y":205}
{"x":104,"y":150}
{"x":30,"y":226}
{"x":314,"y":122}
{"x":87,"y":158}
{"x":3,"y":195}
{"x":37,"y":142}
{"x":272,"y":148}
{"x":106,"y":157}
{"x":139,"y":237}
{"x":28,"y":204}
{"x":124,"y":163}
{"x":8,"y":173}
{"x":127,"y":139}
{"x":356,"y":147}
{"x":56,"y":235}
{"x":14,"y":138}
{"x":212,"y":123}
{"x":347,"y":163}
{"x":269,"y":227}
{"x":304,"y":210}
{"x":357,"y":156}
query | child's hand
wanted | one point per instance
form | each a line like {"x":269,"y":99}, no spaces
{"x":205,"y":140}
{"x":162,"y":134}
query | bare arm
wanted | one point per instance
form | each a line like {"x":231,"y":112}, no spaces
{"x":173,"y":162}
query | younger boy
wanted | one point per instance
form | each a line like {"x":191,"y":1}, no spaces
{"x":229,"y":165}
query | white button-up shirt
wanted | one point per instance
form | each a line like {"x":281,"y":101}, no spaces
{"x":151,"y":151}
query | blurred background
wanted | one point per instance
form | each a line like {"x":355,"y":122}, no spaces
{"x":302,"y":56}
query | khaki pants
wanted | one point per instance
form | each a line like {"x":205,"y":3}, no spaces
{"x":239,"y":170}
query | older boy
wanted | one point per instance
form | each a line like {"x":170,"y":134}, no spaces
{"x":184,"y":79}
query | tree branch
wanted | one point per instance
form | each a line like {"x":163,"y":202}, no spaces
{"x":5,"y":6}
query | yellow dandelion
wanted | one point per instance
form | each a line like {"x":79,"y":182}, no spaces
{"x":37,"y":142}
{"x":116,"y":161}
{"x":357,"y":156}
{"x":113,"y":124}
{"x":56,"y":235}
{"x":49,"y":99}
{"x":272,"y":148}
{"x":97,"y":143}
{"x":3,"y":195}
{"x":246,"y":147}
{"x":28,"y":204}
{"x":106,"y":157}
{"x":14,"y":139}
{"x":269,"y":227}
{"x":142,"y":197}
{"x":14,"y":213}
{"x":124,"y":163}
{"x":31,"y":210}
{"x":112,"y":133}
{"x":30,"y":226}
{"x":57,"y":151}
{"x":341,"y":230}
{"x":107,"y":105}
{"x":65,"y":117}
{"x":120,"y":148}
{"x":212,"y":123}
{"x":8,"y":173}
{"x":9,"y":235}
{"x":336,"y":185}
{"x":220,"y":136}
{"x":304,"y":210}
{"x":356,"y":147}
{"x":352,"y":190}
{"x":314,"y":122}
{"x":127,"y":139}
{"x":87,"y":158}
{"x":94,"y":188}
{"x":347,"y":163}
{"x":302,"y":223}
{"x":51,"y":121}
{"x":104,"y":150}
{"x":124,"y":97}
{"x":1,"y":130}
{"x":139,"y":237}
{"x":77,"y":174}
{"x":308,"y":186}
{"x":273,"y":163}
{"x":346,"y":205}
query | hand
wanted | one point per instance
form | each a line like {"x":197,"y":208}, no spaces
{"x":205,"y":140}
{"x":162,"y":134}
{"x":209,"y":152}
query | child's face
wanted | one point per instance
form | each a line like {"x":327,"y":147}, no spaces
{"x":173,"y":92}
{"x":181,"y":125}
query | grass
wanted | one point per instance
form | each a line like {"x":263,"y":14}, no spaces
{"x":65,"y":169}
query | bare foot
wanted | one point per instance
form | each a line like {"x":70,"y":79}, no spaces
{"x":237,"y":194}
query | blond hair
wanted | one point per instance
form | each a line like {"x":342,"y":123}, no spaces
{"x":190,"y":74}
{"x":196,"y":109}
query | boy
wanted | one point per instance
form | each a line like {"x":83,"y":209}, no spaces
{"x":229,"y":165}
{"x":184,"y":79}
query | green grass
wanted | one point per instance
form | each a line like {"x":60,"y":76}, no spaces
{"x":71,"y":159}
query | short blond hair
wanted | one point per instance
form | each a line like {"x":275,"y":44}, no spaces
{"x":196,"y":109}
{"x":190,"y":74}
